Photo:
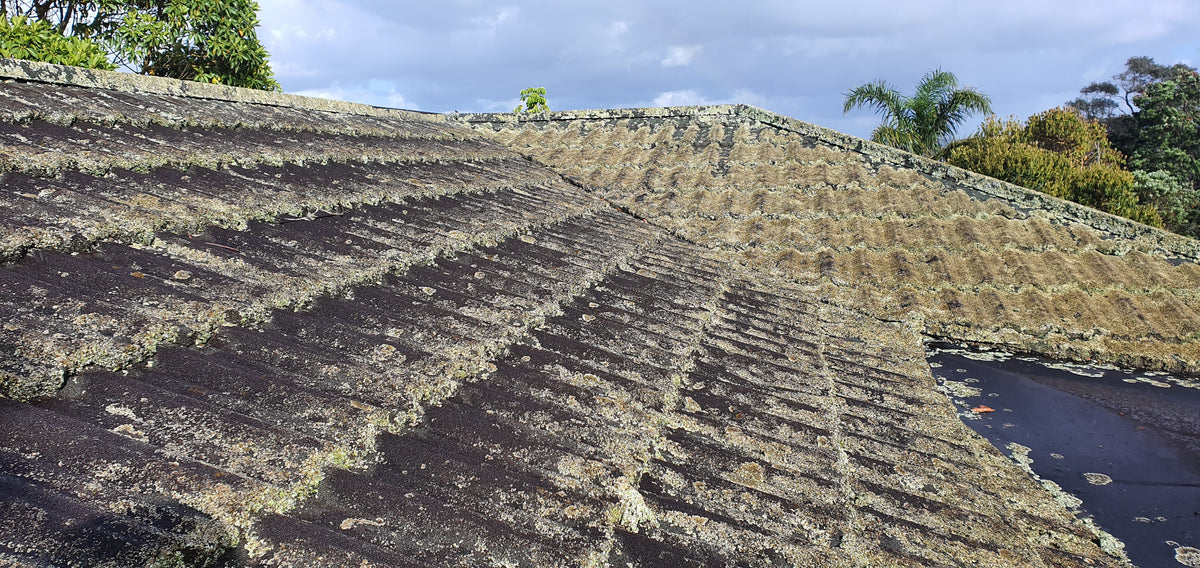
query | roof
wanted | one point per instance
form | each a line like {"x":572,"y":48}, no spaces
{"x":956,"y":254}
{"x":249,"y":328}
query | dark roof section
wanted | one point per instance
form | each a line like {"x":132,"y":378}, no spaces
{"x":955,"y":254}
{"x":246,"y":328}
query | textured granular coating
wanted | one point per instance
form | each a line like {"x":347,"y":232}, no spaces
{"x":250,"y":329}
{"x":960,"y":256}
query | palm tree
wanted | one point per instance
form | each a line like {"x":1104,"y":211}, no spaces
{"x":924,"y":123}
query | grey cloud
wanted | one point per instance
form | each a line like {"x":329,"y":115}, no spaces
{"x":797,"y":58}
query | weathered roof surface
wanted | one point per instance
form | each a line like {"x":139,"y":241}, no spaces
{"x":269,"y":331}
{"x":960,"y":255}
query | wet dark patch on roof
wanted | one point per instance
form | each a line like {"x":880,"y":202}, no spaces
{"x":1124,"y":448}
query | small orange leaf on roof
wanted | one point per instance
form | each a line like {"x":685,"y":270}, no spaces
{"x":982,"y":409}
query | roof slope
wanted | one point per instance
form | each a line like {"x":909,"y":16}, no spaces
{"x":901,"y":237}
{"x":241,"y":328}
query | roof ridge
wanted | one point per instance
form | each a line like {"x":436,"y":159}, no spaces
{"x":633,"y":112}
{"x":38,"y":72}
{"x":1021,"y":197}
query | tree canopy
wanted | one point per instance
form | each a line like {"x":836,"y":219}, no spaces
{"x":1167,"y":148}
{"x":1103,"y":100}
{"x":1151,"y":113}
{"x":22,"y":38}
{"x":925,"y":122}
{"x":204,"y":40}
{"x":1057,"y":152}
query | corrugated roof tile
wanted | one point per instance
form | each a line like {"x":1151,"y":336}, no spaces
{"x":251,"y":328}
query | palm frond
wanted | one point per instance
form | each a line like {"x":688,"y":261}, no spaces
{"x":962,"y":102}
{"x":879,"y":97}
{"x":894,"y":137}
{"x":935,"y":85}
{"x":925,"y":122}
{"x":955,"y":109}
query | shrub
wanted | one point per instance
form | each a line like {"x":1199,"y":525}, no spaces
{"x":1058,"y":153}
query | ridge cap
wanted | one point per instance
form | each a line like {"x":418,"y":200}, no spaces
{"x":39,"y":72}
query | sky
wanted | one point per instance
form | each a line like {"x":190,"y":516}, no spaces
{"x":793,"y":57}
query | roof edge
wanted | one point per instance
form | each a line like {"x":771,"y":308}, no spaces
{"x":1021,"y":197}
{"x":38,"y":72}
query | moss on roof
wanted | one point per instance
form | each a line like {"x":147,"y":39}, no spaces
{"x":283,"y":332}
{"x":903,"y":238}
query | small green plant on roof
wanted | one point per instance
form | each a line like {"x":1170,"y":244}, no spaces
{"x":1057,"y":152}
{"x":925,"y":122}
{"x":533,"y":100}
{"x":37,"y":40}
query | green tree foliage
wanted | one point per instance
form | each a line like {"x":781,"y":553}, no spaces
{"x":1103,"y":99}
{"x":1169,"y":136}
{"x":212,"y":41}
{"x":1152,"y":117}
{"x":63,"y":15}
{"x":1167,"y":148}
{"x":1114,"y":103}
{"x":925,"y":122}
{"x":204,"y":40}
{"x":533,"y":99}
{"x":1099,"y":101}
{"x":1057,"y":152}
{"x":1175,"y":201}
{"x":37,"y":40}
